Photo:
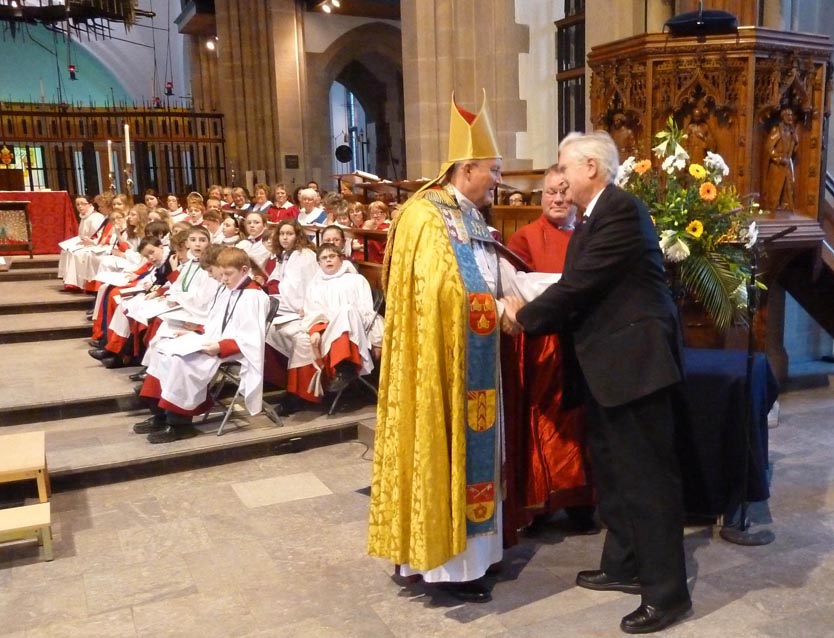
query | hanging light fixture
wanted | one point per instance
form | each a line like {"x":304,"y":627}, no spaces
{"x":336,"y":3}
{"x":326,"y":8}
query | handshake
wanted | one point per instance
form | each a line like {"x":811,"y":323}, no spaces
{"x":509,"y":324}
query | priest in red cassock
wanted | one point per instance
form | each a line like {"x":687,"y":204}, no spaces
{"x":547,"y":447}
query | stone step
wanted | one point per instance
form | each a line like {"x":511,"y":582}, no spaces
{"x":50,"y":383}
{"x":38,"y":261}
{"x":100,"y":449}
{"x":51,"y":380}
{"x":21,"y":297}
{"x":29,"y":274}
{"x":28,"y":327}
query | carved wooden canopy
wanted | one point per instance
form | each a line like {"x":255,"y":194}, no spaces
{"x":734,"y":94}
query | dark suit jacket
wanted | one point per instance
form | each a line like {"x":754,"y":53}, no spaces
{"x":613,"y":305}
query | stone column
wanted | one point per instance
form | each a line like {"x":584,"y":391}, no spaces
{"x":258,"y":52}
{"x":461,"y":46}
{"x":203,"y":65}
{"x":289,"y":72}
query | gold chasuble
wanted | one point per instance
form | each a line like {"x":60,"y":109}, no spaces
{"x":437,"y":392}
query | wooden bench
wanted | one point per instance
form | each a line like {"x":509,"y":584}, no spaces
{"x":28,"y":521}
{"x":22,"y":457}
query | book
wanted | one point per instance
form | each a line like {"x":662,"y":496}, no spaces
{"x":281,"y":319}
{"x":185,"y":344}
{"x":72,"y":244}
{"x":114,"y":278}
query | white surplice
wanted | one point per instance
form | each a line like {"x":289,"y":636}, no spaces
{"x":257,"y":251}
{"x":344,"y":302}
{"x":72,"y":265}
{"x":185,"y":379}
{"x":294,"y":272}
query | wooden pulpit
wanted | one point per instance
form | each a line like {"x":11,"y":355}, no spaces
{"x":758,"y":97}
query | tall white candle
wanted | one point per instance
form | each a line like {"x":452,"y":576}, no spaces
{"x":127,"y":144}
{"x":109,"y":156}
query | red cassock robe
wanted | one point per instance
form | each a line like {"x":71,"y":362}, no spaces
{"x":544,"y":441}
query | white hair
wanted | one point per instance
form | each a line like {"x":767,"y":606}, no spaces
{"x":598,"y":146}
{"x":307,"y":192}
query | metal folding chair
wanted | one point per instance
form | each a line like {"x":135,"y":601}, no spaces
{"x":229,"y":372}
{"x":379,"y":301}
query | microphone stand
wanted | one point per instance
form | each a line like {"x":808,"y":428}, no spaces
{"x":739,"y":533}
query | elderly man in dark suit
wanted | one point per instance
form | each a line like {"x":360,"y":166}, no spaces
{"x":618,"y":324}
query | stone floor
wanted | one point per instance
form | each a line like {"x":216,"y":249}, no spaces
{"x":275,"y":546}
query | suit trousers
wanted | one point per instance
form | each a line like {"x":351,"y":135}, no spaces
{"x":634,"y":461}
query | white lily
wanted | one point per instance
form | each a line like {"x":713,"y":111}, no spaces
{"x":674,"y":249}
{"x":716,"y":166}
{"x":751,"y":235}
{"x":625,"y":170}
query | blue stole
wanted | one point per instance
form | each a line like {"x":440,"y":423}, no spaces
{"x":482,"y":342}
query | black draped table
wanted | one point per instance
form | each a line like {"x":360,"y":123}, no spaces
{"x":711,"y":443}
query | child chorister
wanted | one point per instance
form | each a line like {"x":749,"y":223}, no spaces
{"x":177,"y":385}
{"x":329,"y":345}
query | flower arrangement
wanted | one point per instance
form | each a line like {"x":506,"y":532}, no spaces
{"x":704,"y":228}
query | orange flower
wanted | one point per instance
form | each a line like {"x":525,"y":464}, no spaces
{"x":642,"y":166}
{"x":708,"y":192}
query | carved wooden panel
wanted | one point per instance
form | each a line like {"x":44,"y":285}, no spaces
{"x":758,"y":98}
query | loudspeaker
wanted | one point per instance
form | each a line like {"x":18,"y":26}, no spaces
{"x":709,"y":22}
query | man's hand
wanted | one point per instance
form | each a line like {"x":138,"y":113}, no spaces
{"x":509,"y":326}
{"x":511,"y":307}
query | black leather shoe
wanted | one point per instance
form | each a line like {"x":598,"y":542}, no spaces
{"x":342,"y":379}
{"x":166,"y":435}
{"x":173,"y":419}
{"x":648,"y":618}
{"x":287,"y":405}
{"x":96,"y":343}
{"x":581,"y":521}
{"x":469,"y":592}
{"x":99,"y":353}
{"x":151,"y":424}
{"x":598,"y":580}
{"x":138,"y":376}
{"x":113,"y":361}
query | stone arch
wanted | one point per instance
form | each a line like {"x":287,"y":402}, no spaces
{"x":368,"y":61}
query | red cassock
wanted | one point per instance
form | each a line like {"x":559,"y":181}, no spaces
{"x":545,"y":442}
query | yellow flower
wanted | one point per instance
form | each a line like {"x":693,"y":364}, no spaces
{"x":654,"y":221}
{"x":697,"y":171}
{"x":695,"y":228}
{"x":642,"y":166}
{"x":708,"y":192}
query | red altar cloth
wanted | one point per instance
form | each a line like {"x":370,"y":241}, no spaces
{"x":51,"y":215}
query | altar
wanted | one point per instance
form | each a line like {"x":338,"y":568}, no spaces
{"x":52,"y":218}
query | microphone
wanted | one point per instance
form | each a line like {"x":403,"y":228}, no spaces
{"x":779,"y":235}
